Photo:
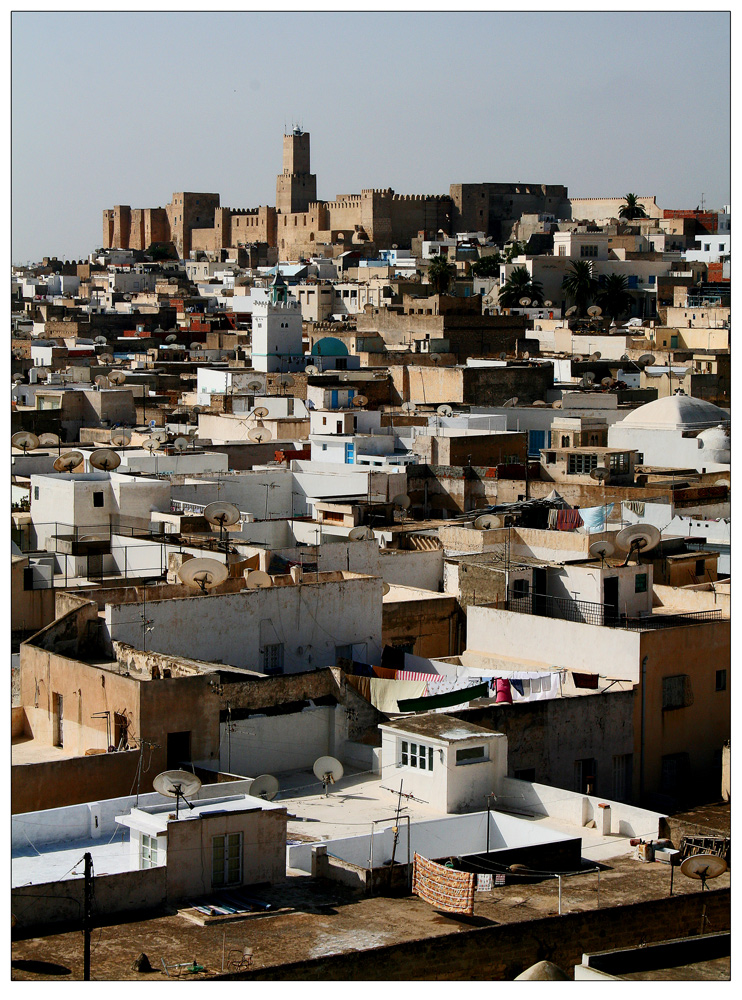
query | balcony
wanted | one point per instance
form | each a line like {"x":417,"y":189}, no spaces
{"x":592,"y":613}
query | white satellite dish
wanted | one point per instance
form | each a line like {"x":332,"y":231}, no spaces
{"x":557,"y":404}
{"x":102,"y":382}
{"x":105,"y":458}
{"x":180,"y":444}
{"x":402,"y":500}
{"x":256,"y":385}
{"x":637,"y":538}
{"x":444,"y":410}
{"x":600,"y":473}
{"x":151,"y":444}
{"x":486,"y":522}
{"x":260,"y":412}
{"x":578,"y":358}
{"x":24,"y":440}
{"x":177,"y":785}
{"x":69,"y":461}
{"x":100,"y":340}
{"x":203,"y":574}
{"x":526,"y":355}
{"x":385,"y":588}
{"x":49,"y":440}
{"x":646,"y":359}
{"x":571,"y":311}
{"x":258,"y":580}
{"x":105,"y":359}
{"x":286,"y":380}
{"x":539,"y":402}
{"x":18,"y":378}
{"x":525,"y":301}
{"x":703,"y":867}
{"x":360,"y":400}
{"x":116,"y":378}
{"x":171,"y":338}
{"x":328,"y":770}
{"x":408,"y":407}
{"x":312,"y":370}
{"x":259,"y":434}
{"x":42,"y":372}
{"x":435,"y":358}
{"x":161,"y":436}
{"x":197,"y":347}
{"x":361,"y":533}
{"x":595,"y":311}
{"x":120,"y":438}
{"x":595,"y":356}
{"x":547,"y":303}
{"x":602,"y":547}
{"x":265,"y":786}
{"x":587,"y":380}
{"x":221,"y":513}
{"x":513,"y":401}
{"x":723,"y":482}
{"x":608,"y":382}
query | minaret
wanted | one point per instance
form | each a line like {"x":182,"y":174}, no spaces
{"x":295,"y":187}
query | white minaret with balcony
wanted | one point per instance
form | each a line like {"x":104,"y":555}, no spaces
{"x":277,"y":331}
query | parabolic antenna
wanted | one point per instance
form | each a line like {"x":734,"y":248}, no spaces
{"x":526,"y":355}
{"x":525,"y":301}
{"x":255,"y":384}
{"x":180,"y":444}
{"x":203,"y":574}
{"x":408,"y":407}
{"x":171,"y":338}
{"x":177,"y":785}
{"x":435,"y":358}
{"x":24,"y":440}
{"x":557,"y":404}
{"x":102,"y":382}
{"x":258,"y":580}
{"x":539,"y":402}
{"x":151,"y":444}
{"x":224,"y":357}
{"x":547,"y":303}
{"x":100,"y":340}
{"x":513,"y":401}
{"x":116,"y":378}
{"x":485,"y":522}
{"x":444,"y":410}
{"x":703,"y":867}
{"x":646,"y":359}
{"x":260,"y":412}
{"x":312,"y":370}
{"x":120,"y":438}
{"x":601,"y":548}
{"x":637,"y":538}
{"x":259,"y":434}
{"x":600,"y":473}
{"x":587,"y":380}
{"x":265,"y":786}
{"x":503,"y":355}
{"x":49,"y":440}
{"x":105,"y":458}
{"x":402,"y":500}
{"x":161,"y":436}
{"x":328,"y":770}
{"x":18,"y":378}
{"x":607,"y":382}
{"x":578,"y":358}
{"x":723,"y":482}
{"x":105,"y":359}
{"x":571,"y":311}
{"x":360,"y":400}
{"x":594,"y":311}
{"x":385,"y":588}
{"x":360,"y":533}
{"x":197,"y":347}
{"x":595,"y":356}
{"x":221,"y":513}
{"x":69,"y":461}
{"x":286,"y":380}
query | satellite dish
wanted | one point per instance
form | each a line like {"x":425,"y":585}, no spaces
{"x":571,"y":311}
{"x":203,"y":574}
{"x":526,"y":355}
{"x":120,"y":438}
{"x":49,"y":440}
{"x":69,"y":461}
{"x":102,"y":382}
{"x":361,"y":533}
{"x":525,"y":301}
{"x":255,"y":384}
{"x":547,"y":303}
{"x":177,"y":785}
{"x":180,"y":443}
{"x":444,"y":410}
{"x":408,"y":407}
{"x":600,"y":473}
{"x":402,"y":500}
{"x":435,"y":358}
{"x":703,"y":867}
{"x":171,"y":338}
{"x":636,"y":538}
{"x":602,"y":548}
{"x":312,"y":370}
{"x":151,"y":444}
{"x":587,"y":380}
{"x":539,"y":402}
{"x":595,"y":311}
{"x":100,"y":340}
{"x":385,"y":588}
{"x":503,"y":355}
{"x":286,"y":380}
{"x":625,"y":357}
{"x":265,"y":786}
{"x":105,"y":359}
{"x":578,"y":358}
{"x":486,"y":522}
{"x":220,"y":512}
{"x":260,"y":412}
{"x":105,"y":458}
{"x":161,"y":436}
{"x":116,"y":378}
{"x":608,"y":382}
{"x":24,"y":440}
{"x":360,"y":400}
{"x":259,"y":434}
{"x":723,"y":482}
{"x":595,"y":356}
{"x":646,"y":359}
{"x":42,"y":372}
{"x":224,"y":357}
{"x":197,"y":347}
{"x":328,"y":770}
{"x":511,"y":402}
{"x":18,"y":378}
{"x":557,"y":404}
{"x":258,"y":580}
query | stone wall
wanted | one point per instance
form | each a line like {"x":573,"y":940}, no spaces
{"x":54,"y":783}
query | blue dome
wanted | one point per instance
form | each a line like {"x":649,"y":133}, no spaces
{"x":330,"y":347}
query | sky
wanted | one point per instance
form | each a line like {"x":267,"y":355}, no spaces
{"x":127,"y":108}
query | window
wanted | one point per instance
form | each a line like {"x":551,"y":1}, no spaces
{"x":525,"y":774}
{"x":640,"y":583}
{"x":98,"y":498}
{"x":36,"y":492}
{"x":562,"y":250}
{"x":622,"y":772}
{"x":521,"y":588}
{"x":585,"y":772}
{"x":588,"y":250}
{"x":581,"y":464}
{"x":565,"y":441}
{"x":148,"y":852}
{"x":700,"y":567}
{"x":273,"y":658}
{"x":226,"y":860}
{"x":416,"y":755}
{"x":675,"y":769}
{"x":619,"y":463}
{"x":550,"y":458}
{"x":721,"y":680}
{"x":472,"y":755}
{"x":676,"y":692}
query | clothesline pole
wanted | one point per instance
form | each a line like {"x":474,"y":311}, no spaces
{"x":560,"y":894}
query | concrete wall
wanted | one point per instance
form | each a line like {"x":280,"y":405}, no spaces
{"x":266,"y":744}
{"x":426,"y":622}
{"x":52,"y":784}
{"x":421,"y":568}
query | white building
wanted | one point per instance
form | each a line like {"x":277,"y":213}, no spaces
{"x":277,"y":332}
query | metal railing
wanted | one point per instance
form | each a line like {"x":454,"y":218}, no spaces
{"x":593,"y":613}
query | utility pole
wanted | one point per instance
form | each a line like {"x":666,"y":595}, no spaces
{"x":88,"y":914}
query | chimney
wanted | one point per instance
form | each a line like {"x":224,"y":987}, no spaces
{"x":296,"y":574}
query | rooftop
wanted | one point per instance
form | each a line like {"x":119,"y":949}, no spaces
{"x":438,"y":726}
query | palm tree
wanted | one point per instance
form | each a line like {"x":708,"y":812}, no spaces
{"x":520,"y":285}
{"x":487,"y":267}
{"x":441,"y":274}
{"x":580,"y":285}
{"x":632,"y":209}
{"x":614,"y":297}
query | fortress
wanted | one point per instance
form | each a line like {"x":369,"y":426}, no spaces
{"x":299,"y":223}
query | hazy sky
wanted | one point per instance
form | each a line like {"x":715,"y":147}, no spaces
{"x":127,"y":108}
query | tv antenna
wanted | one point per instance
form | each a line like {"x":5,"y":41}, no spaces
{"x":221,"y":513}
{"x":646,"y":359}
{"x":42,"y":373}
{"x":444,"y":410}
{"x":256,"y":385}
{"x":103,"y":382}
{"x":177,"y":785}
{"x":525,"y":301}
{"x":25,"y":440}
{"x":258,"y":580}
{"x":557,"y":404}
{"x":595,"y":311}
{"x":435,"y":358}
{"x":180,"y":444}
{"x":513,"y":401}
{"x":539,"y":402}
{"x":637,"y":538}
{"x":328,"y":770}
{"x":151,"y":444}
{"x":265,"y":786}
{"x":171,"y":338}
{"x":312,"y":370}
{"x":259,"y":434}
{"x":548,"y":303}
{"x":408,"y":407}
{"x":116,"y":378}
{"x":503,"y":355}
{"x":105,"y":459}
{"x":260,"y":412}
{"x":571,"y":311}
{"x":105,"y":359}
{"x":120,"y":438}
{"x":600,"y":473}
{"x":360,"y":400}
{"x":100,"y":340}
{"x":601,"y":548}
{"x":402,"y":500}
{"x":486,"y":522}
{"x":203,"y":574}
{"x":49,"y":440}
{"x":595,"y":356}
{"x":69,"y":461}
{"x":361,"y":533}
{"x":703,"y":867}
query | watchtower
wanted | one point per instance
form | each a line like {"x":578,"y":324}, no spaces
{"x":296,"y":187}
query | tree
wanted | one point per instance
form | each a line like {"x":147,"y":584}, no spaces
{"x":516,"y":248}
{"x":441,"y":274}
{"x":614,"y":297}
{"x":487,"y":267}
{"x":580,"y":285}
{"x":520,"y":285}
{"x":632,"y":209}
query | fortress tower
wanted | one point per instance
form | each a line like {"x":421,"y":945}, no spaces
{"x":295,"y":187}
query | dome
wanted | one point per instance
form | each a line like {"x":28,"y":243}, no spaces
{"x":716,"y":444}
{"x":678,"y":412}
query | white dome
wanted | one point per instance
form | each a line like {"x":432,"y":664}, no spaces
{"x":678,"y":412}
{"x":716,"y":445}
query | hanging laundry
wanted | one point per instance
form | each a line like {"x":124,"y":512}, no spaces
{"x":585,"y":680}
{"x":635,"y":506}
{"x":551,"y":521}
{"x":500,"y":879}
{"x":568,"y":520}
{"x":503,"y":691}
{"x":386,"y":694}
{"x":444,"y":888}
{"x":412,"y":675}
{"x":595,"y":518}
{"x":484,"y":883}
{"x":442,"y":701}
{"x":518,"y":685}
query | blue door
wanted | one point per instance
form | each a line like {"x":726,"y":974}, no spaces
{"x":334,"y":399}
{"x":349,"y":453}
{"x":536,"y":440}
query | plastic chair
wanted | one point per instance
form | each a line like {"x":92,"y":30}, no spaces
{"x":239,"y":960}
